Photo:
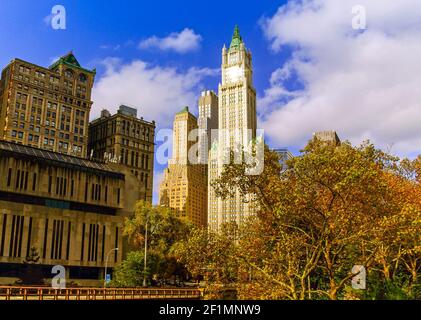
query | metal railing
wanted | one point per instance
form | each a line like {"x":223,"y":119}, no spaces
{"x":47,"y":293}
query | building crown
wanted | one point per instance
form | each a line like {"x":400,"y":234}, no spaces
{"x":236,"y":38}
{"x":71,"y":61}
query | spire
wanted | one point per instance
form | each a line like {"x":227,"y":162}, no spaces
{"x":236,"y":38}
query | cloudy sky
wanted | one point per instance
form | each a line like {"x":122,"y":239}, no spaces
{"x":313,"y":69}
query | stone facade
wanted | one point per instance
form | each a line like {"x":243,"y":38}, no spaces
{"x":125,"y":139}
{"x":59,"y":204}
{"x":70,"y":210}
{"x":184,"y":186}
{"x":47,"y":107}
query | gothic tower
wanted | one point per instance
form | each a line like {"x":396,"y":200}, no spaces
{"x":237,"y":126}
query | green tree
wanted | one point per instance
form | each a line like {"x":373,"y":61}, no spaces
{"x":164,"y":229}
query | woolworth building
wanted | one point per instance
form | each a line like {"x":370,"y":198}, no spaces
{"x":63,"y":201}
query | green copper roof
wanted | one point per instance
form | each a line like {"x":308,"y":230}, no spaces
{"x":184,"y":110}
{"x":236,"y":38}
{"x":71,"y":61}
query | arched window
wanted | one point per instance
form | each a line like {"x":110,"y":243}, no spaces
{"x":68,"y":73}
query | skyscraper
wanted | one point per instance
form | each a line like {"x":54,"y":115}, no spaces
{"x":237,"y":126}
{"x":183,"y":187}
{"x":207,"y":123}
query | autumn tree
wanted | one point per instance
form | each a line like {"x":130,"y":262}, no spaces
{"x":210,"y":255}
{"x":335,"y":206}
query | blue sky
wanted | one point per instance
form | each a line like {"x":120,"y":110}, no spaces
{"x":312,"y":69}
{"x":93,"y":25}
{"x":96,"y":30}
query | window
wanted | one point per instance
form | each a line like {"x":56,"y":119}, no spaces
{"x":34,"y":181}
{"x":82,"y":78}
{"x":68,"y":73}
{"x":72,"y":185}
{"x":9,"y":177}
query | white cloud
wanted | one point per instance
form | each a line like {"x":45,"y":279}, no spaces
{"x":362,"y":84}
{"x":181,"y":42}
{"x":157,"y":92}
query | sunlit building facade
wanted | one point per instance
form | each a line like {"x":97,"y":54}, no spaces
{"x":237,"y":127}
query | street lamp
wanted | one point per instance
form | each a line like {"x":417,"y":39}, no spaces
{"x":146,"y":252}
{"x":146,"y":249}
{"x":106,"y":265}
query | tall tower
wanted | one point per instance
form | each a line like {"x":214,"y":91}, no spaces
{"x":237,"y":126}
{"x":207,"y":123}
{"x":184,"y":123}
{"x":184,"y":187}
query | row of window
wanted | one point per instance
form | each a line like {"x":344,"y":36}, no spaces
{"x":51,"y":95}
{"x":56,"y":240}
{"x":42,"y":75}
{"x":134,"y":159}
{"x":46,"y":141}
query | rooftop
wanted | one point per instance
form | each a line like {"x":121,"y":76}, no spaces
{"x":70,"y":60}
{"x":184,"y":110}
{"x":57,"y":159}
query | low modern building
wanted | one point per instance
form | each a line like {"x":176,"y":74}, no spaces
{"x":57,"y":209}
